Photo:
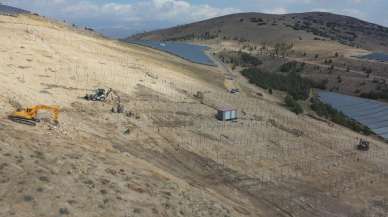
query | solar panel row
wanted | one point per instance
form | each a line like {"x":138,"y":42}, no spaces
{"x":371,"y":113}
{"x":193,"y":53}
{"x":376,"y":56}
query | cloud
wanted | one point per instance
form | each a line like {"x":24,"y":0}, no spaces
{"x":182,"y":10}
{"x":276,"y":11}
{"x":353,"y":12}
{"x":108,"y":14}
{"x":144,"y":15}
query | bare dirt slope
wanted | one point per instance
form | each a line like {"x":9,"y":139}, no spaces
{"x":167,"y":155}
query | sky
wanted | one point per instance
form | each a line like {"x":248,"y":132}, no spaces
{"x":121,"y":18}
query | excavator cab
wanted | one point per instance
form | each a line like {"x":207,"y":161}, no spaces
{"x":363,"y":145}
{"x":100,"y":92}
{"x":98,"y":95}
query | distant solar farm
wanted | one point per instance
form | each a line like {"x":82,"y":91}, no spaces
{"x":381,"y":57}
{"x":190,"y":52}
{"x":370,"y":113}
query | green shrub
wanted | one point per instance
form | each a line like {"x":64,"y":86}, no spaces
{"x":293,"y":105}
{"x":248,"y":59}
{"x":329,"y":61}
{"x":383,"y":94}
{"x":321,"y":84}
{"x":292,"y":67}
{"x":292,"y":83}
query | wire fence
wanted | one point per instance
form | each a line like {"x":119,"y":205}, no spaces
{"x":267,"y":147}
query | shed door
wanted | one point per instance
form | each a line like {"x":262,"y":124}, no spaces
{"x":233,"y":115}
{"x":227,"y":115}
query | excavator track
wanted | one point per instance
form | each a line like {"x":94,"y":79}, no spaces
{"x":22,"y":121}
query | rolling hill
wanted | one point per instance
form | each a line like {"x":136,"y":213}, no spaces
{"x":327,"y":44}
{"x":5,"y":9}
{"x":264,"y":28}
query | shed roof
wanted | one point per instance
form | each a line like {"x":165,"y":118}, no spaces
{"x":226,"y":109}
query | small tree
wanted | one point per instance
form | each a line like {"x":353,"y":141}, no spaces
{"x":368,"y":72}
{"x":293,"y":105}
{"x":339,"y":79}
{"x":282,"y":49}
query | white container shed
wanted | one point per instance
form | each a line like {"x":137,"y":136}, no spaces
{"x":226,"y":114}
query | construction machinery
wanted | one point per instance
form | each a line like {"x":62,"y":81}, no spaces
{"x":29,"y":116}
{"x":102,"y":95}
{"x":98,"y":95}
{"x":363,"y":145}
{"x":234,"y":91}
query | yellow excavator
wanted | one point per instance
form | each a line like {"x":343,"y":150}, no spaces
{"x":29,"y":115}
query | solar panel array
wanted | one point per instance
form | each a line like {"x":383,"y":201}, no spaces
{"x":190,"y":52}
{"x":4,"y":9}
{"x":371,"y":113}
{"x":382,"y":57}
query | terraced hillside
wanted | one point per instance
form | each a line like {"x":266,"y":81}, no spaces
{"x":166,"y":155}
